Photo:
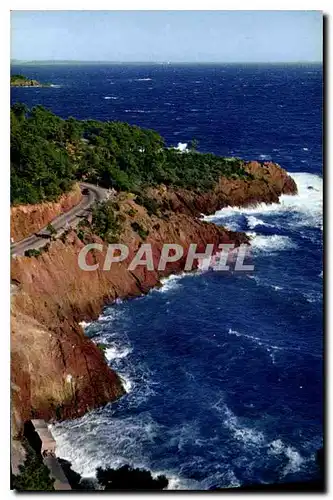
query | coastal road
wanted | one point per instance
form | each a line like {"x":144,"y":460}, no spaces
{"x":63,"y":221}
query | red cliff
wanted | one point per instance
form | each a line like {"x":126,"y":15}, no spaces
{"x":56,"y":371}
{"x":28,"y":219}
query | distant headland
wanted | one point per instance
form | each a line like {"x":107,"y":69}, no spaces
{"x":23,"y":81}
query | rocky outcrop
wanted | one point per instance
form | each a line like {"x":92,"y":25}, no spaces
{"x":28,"y":219}
{"x":22,"y":81}
{"x":56,"y":371}
{"x":266,"y":185}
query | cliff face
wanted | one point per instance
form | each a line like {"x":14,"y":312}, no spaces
{"x":28,"y":219}
{"x":56,"y":371}
{"x":268,"y":183}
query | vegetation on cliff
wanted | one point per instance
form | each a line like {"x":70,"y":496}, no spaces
{"x":41,"y":168}
{"x":48,"y":154}
{"x":34,"y":475}
{"x":105,"y":221}
{"x":128,"y":478}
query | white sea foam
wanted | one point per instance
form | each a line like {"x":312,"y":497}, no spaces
{"x":110,"y":97}
{"x":244,"y":433}
{"x":170,"y":283}
{"x":178,"y":483}
{"x":84,"y":324}
{"x":306,"y":206}
{"x":111,"y":313}
{"x":278,"y":447}
{"x":237,"y":334}
{"x":142,"y":79}
{"x":249,"y":436}
{"x":100,"y":439}
{"x":262,"y":343}
{"x":96,"y":440}
{"x":272,"y":243}
{"x":116,"y":352}
{"x":253,"y":221}
{"x":305,"y":210}
{"x":127,"y":383}
{"x":106,"y":318}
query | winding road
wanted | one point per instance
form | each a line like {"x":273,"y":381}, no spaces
{"x":63,"y":221}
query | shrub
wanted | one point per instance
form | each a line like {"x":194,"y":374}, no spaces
{"x":33,"y":475}
{"x":143,"y":233}
{"x":105,"y":222}
{"x":64,"y":235}
{"x":128,"y":478}
{"x":81,"y":235}
{"x":32,"y":252}
{"x":50,"y":228}
{"x":132,"y":212}
{"x":83,"y":223}
{"x":150,"y":204}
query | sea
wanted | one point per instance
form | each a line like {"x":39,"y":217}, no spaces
{"x":223,"y":371}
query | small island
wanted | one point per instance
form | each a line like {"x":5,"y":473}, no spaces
{"x":23,"y":81}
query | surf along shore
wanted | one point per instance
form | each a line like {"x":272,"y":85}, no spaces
{"x":56,"y":371}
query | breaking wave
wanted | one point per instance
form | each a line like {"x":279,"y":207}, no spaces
{"x":304,"y":209}
{"x":271,"y":244}
{"x":253,"y":221}
{"x":116,"y":352}
{"x":170,"y":283}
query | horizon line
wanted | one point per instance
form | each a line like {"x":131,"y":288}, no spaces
{"x":55,"y":61}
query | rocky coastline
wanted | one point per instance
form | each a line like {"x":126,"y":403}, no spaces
{"x":57,"y":372}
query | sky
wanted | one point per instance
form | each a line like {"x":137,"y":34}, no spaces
{"x":160,"y":36}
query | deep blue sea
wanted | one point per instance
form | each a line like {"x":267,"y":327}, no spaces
{"x":224,"y":372}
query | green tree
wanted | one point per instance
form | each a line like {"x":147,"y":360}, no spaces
{"x":193,"y":146}
{"x":33,"y":474}
{"x":105,"y":222}
{"x":48,"y":154}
